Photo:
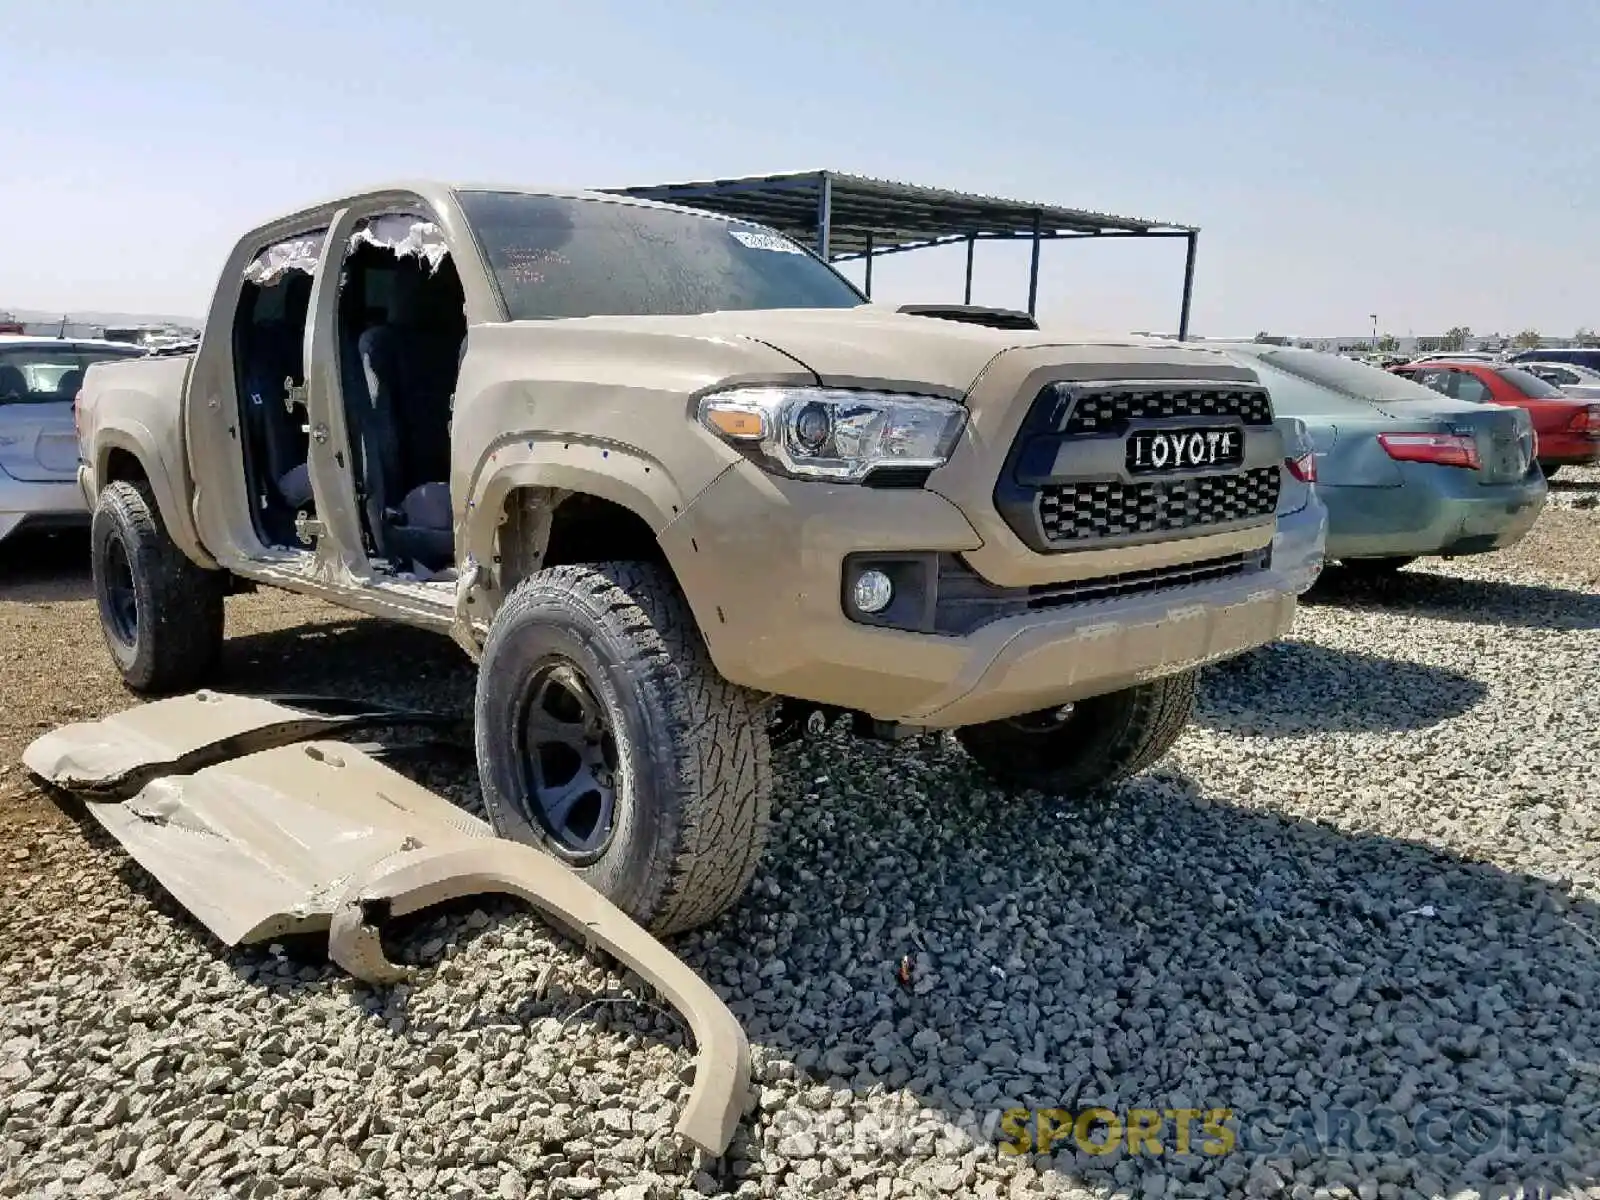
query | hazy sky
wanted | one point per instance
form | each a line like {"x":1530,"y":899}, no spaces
{"x":1433,"y":161}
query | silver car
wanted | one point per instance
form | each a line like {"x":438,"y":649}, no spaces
{"x":1581,"y":383}
{"x":1404,"y":472}
{"x":39,"y":377}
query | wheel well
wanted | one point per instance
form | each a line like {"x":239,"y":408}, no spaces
{"x":586,"y":528}
{"x":548,"y":528}
{"x":123,"y":466}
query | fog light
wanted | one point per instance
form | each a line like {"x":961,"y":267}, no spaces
{"x":872,"y":592}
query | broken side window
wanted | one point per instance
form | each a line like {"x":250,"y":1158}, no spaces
{"x":299,"y":253}
{"x":405,"y":236}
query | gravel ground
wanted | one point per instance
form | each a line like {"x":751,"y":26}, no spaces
{"x":1366,"y":880}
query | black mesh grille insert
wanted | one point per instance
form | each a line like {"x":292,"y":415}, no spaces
{"x":1104,"y":411}
{"x":967,"y":602}
{"x":1074,"y":512}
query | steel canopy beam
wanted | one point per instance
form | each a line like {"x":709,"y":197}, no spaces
{"x":1188,"y":285}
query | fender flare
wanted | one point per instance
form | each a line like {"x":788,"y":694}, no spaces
{"x":620,"y":474}
{"x":137,"y":440}
{"x":414,"y":880}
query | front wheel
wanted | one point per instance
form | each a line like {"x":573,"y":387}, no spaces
{"x":1087,"y":745}
{"x":606,"y":736}
{"x":161,"y":614}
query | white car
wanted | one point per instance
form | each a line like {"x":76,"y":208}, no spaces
{"x":39,"y":377}
{"x":1581,"y":383}
{"x":1458,"y":356}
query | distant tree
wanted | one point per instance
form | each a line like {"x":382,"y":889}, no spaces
{"x":1586,"y":337}
{"x":1528,"y":339}
{"x":1389,"y":344}
{"x":1455,"y":338}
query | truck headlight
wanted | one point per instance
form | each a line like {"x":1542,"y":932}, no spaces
{"x":834,"y":433}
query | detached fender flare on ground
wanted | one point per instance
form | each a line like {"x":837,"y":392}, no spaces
{"x":420,"y":879}
{"x":259,"y":831}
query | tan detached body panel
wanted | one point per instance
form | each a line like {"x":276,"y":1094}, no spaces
{"x":317,"y":836}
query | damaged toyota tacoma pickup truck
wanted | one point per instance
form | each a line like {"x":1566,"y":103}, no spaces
{"x":677,"y":486}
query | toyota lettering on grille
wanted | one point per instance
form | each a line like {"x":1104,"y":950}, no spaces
{"x":1184,"y":450}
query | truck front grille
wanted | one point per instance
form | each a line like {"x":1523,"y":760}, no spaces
{"x":1103,"y":412}
{"x":1077,"y":512}
{"x":1079,"y":475}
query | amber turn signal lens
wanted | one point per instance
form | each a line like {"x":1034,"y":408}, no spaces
{"x":734,"y":422}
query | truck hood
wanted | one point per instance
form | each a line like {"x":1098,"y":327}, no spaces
{"x":847,"y":347}
{"x":874,"y":344}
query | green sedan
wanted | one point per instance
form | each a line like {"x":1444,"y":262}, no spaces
{"x":1404,"y":472}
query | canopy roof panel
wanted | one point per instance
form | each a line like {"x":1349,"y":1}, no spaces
{"x":885,"y":215}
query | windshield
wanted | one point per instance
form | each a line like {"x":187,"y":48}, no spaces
{"x":1347,"y":377}
{"x":44,"y":374}
{"x":557,"y":256}
{"x":1529,"y":384}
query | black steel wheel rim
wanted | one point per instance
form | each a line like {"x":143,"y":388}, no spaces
{"x":122,"y":601}
{"x":567,"y":754}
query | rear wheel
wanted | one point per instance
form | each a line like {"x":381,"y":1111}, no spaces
{"x":1376,"y":567}
{"x":1087,"y":745}
{"x":161,"y":614}
{"x":606,"y":736}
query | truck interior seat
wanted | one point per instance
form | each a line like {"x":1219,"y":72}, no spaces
{"x":12,"y":381}
{"x":70,"y":384}
{"x":410,"y":363}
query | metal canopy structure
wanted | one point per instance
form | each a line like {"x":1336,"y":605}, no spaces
{"x":850,"y":217}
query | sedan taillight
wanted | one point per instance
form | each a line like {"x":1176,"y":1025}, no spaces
{"x":1586,"y":420}
{"x":1442,"y":449}
{"x":1303,"y":468}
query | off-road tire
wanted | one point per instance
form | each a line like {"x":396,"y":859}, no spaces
{"x":1374,"y":568}
{"x":694,"y":779}
{"x":175,"y":639}
{"x":1100,"y":741}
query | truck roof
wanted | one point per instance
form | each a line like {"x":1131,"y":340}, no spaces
{"x":434,"y":190}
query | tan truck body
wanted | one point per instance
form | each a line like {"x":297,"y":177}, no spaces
{"x":655,"y":587}
{"x":602,"y":406}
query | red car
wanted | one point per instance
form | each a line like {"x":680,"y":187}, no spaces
{"x":1568,"y":430}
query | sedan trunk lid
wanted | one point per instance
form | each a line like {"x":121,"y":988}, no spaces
{"x":39,"y":380}
{"x":1503,"y":436}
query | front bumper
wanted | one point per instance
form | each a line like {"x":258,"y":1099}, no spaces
{"x":45,"y":504}
{"x":775,"y":620}
{"x":1421,"y":519}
